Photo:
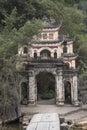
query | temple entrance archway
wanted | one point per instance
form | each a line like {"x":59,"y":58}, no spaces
{"x":45,"y":87}
{"x":64,"y":90}
{"x":67,"y":86}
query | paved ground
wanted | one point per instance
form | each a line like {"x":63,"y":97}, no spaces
{"x":68,"y":111}
{"x":48,"y":108}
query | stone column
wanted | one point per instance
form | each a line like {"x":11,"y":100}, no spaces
{"x":59,"y":88}
{"x":52,"y":54}
{"x":38,"y":54}
{"x":32,"y":97}
{"x":75,"y":91}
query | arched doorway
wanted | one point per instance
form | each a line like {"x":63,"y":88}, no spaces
{"x":67,"y":86}
{"x":65,"y":49}
{"x":55,"y":54}
{"x":35,"y":55}
{"x":25,"y":50}
{"x":46,"y":87}
{"x":45,"y":54}
{"x":24,"y":93}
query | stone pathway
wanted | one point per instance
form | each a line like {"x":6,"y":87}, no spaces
{"x":44,"y":121}
{"x":49,"y":108}
{"x":67,"y":111}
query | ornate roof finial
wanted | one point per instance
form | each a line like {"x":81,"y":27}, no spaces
{"x":48,"y":22}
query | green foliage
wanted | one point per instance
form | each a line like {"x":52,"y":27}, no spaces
{"x":26,"y":33}
{"x":10,"y":20}
{"x":83,"y":5}
{"x":48,"y":95}
{"x":27,"y":10}
{"x":9,"y":81}
{"x":46,"y":85}
{"x":74,"y":19}
{"x":81,"y":48}
{"x":10,"y":37}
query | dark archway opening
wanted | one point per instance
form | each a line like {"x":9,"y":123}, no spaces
{"x":55,"y":54}
{"x":45,"y":54}
{"x":64,"y":49}
{"x":35,"y":55}
{"x":25,"y":50}
{"x":45,"y":87}
{"x":67,"y":86}
{"x":66,"y":67}
{"x":24,"y":93}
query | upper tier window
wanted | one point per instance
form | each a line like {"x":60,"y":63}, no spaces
{"x":35,"y":55}
{"x":47,"y":36}
{"x":44,"y":35}
{"x":64,"y":49}
{"x":55,"y":54}
{"x":25,"y":50}
{"x":50,"y":35}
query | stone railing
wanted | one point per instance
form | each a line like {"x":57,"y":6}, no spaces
{"x":50,"y":60}
{"x":41,"y":60}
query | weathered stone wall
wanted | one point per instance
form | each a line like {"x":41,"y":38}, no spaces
{"x":82,"y":90}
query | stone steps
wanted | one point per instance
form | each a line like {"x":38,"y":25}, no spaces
{"x":26,"y":119}
{"x":71,"y":112}
{"x":76,"y":115}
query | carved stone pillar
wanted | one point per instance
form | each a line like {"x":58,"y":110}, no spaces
{"x":59,"y":88}
{"x":75,"y":91}
{"x":52,"y":54}
{"x":38,"y":54}
{"x":32,"y":93}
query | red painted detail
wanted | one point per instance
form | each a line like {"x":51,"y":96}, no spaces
{"x":38,"y":47}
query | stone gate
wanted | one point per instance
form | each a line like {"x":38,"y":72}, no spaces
{"x":51,"y":53}
{"x":56,"y":68}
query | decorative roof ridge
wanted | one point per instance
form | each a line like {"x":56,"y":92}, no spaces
{"x":50,"y":23}
{"x":69,"y":55}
